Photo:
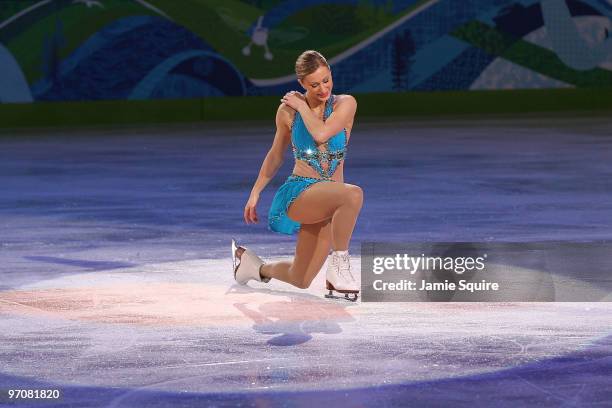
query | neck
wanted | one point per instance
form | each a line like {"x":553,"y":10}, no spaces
{"x":314,"y":102}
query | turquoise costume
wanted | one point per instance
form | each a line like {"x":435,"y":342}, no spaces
{"x":305,"y":149}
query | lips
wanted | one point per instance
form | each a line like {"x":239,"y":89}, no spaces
{"x":323,"y":96}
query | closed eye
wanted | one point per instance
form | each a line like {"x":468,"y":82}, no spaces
{"x":314,"y":85}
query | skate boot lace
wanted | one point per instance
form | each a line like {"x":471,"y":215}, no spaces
{"x":344,"y":268}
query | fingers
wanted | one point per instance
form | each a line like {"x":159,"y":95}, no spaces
{"x":250,"y":215}
{"x":285,"y":99}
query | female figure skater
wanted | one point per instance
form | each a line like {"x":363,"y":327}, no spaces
{"x":314,"y":202}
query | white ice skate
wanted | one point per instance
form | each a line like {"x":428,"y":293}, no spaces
{"x":246,"y":265}
{"x":339,"y":277}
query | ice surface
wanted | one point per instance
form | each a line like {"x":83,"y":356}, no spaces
{"x":116,"y":284}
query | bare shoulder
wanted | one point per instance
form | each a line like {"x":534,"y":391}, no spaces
{"x":345,"y":99}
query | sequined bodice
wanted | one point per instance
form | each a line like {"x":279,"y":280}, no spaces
{"x":324,"y":161}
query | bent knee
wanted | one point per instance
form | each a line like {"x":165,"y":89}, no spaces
{"x":301,"y":281}
{"x":303,"y":284}
{"x":354,"y":195}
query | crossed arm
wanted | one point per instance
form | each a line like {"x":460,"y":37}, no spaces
{"x":321,"y":131}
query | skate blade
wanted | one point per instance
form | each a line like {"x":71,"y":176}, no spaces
{"x":234,"y":257}
{"x":331,"y":288}
{"x":352,"y":297}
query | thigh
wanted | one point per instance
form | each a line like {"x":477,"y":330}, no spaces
{"x":313,"y":245}
{"x":318,"y":202}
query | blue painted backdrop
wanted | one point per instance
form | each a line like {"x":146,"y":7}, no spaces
{"x":79,"y":50}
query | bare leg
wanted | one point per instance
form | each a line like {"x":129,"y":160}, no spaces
{"x":339,"y":202}
{"x":313,"y":244}
{"x":328,"y":212}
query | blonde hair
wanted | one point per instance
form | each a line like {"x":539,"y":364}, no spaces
{"x":308,"y":62}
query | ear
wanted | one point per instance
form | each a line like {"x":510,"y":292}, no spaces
{"x":301,"y":83}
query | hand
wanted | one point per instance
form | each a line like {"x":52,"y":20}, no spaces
{"x":250,"y":211}
{"x":294,"y":100}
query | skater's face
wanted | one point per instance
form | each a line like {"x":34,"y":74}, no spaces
{"x":319,"y":84}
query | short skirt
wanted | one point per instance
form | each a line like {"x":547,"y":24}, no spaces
{"x":278,"y":220}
